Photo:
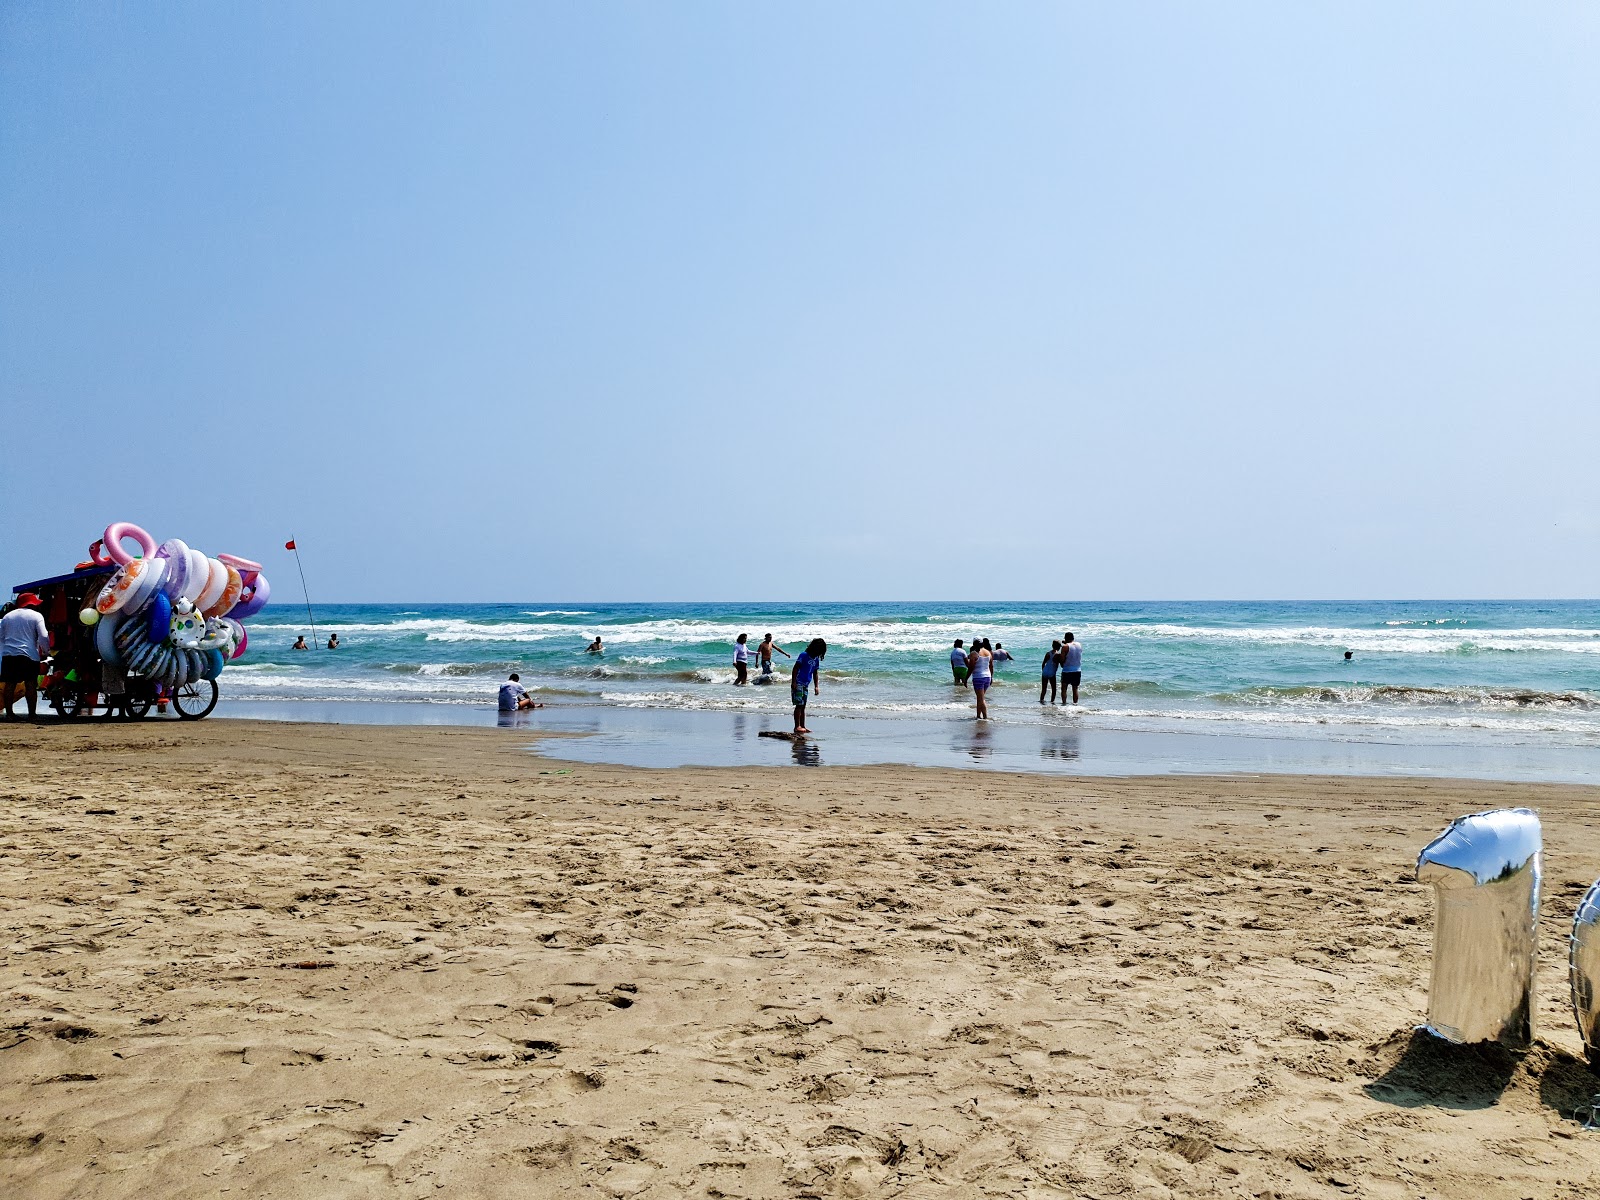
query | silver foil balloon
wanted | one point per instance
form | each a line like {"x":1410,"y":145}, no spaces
{"x":1485,"y":870}
{"x":1584,"y":970}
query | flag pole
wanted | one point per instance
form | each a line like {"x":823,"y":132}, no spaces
{"x":304,"y":591}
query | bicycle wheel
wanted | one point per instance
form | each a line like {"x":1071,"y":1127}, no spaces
{"x":195,"y":699}
{"x":136,"y":708}
{"x":68,"y":703}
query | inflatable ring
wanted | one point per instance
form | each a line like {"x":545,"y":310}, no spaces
{"x":214,"y":582}
{"x":243,"y":564}
{"x":145,"y":591}
{"x":118,"y":530}
{"x":159,"y":620}
{"x":244,"y":643}
{"x":98,"y":559}
{"x":130,"y":580}
{"x":230,"y":595}
{"x":214,"y":663}
{"x":105,"y":640}
{"x":249,"y":605}
{"x":200,"y":573}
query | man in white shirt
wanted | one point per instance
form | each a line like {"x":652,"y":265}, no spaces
{"x":514,"y":697}
{"x":24,"y":645}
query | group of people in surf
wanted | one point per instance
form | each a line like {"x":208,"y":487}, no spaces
{"x":976,"y":665}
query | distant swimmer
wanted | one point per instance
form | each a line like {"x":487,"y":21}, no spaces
{"x":595,"y":647}
{"x":333,"y":642}
{"x":1047,"y":671}
{"x":765,"y":651}
{"x":958,"y":664}
{"x":741,"y":660}
{"x":1348,"y":655}
{"x":514,"y":697}
{"x":807,"y":674}
{"x":1071,"y":666}
{"x":980,"y":664}
{"x":1001,"y":654}
{"x":300,"y":643}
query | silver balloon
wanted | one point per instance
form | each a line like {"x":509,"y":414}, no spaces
{"x":1486,"y":871}
{"x":1584,"y":970}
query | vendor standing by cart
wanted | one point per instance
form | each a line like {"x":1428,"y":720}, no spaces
{"x":24,"y":645}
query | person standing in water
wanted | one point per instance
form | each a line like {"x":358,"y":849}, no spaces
{"x":1071,"y":666}
{"x":958,"y":664}
{"x":1047,"y":671}
{"x":300,"y":643}
{"x":980,"y":664}
{"x":741,"y":660}
{"x":333,"y":642}
{"x":1001,"y":654}
{"x":596,"y":647}
{"x":764,"y":653}
{"x":807,"y":673}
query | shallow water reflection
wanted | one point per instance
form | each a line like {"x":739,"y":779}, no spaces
{"x":806,"y":753}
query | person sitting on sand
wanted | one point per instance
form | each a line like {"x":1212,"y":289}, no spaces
{"x":807,"y":673}
{"x":1047,"y":671}
{"x":300,"y":643}
{"x":514,"y":697}
{"x":596,"y":647}
{"x":764,"y":653}
{"x":981,"y":665}
{"x":958,"y":664}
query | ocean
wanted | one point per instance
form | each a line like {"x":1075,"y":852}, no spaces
{"x":1496,"y":688}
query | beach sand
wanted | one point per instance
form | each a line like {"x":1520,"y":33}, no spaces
{"x":318,"y":961}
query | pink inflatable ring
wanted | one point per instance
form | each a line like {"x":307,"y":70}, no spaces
{"x":240,"y":564}
{"x":118,"y":530}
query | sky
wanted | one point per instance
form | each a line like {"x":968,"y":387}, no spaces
{"x":693,"y":301}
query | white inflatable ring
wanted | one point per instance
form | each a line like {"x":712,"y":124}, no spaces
{"x":118,"y":530}
{"x":200,"y":572}
{"x":216,"y":584}
{"x":230,"y":595}
{"x":130,"y":581}
{"x":240,"y":564}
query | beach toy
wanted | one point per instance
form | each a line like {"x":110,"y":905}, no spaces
{"x":200,"y":574}
{"x":242,"y":565}
{"x":244,"y":643}
{"x":118,"y":530}
{"x":105,"y":640}
{"x":124,"y":585}
{"x":159,"y":622}
{"x":214,"y":663}
{"x":148,"y":587}
{"x":96,"y":555}
{"x":176,"y":555}
{"x":1486,"y":871}
{"x":90,"y":615}
{"x":232,"y":586}
{"x":216,"y":579}
{"x":249,"y":605}
{"x":187,"y":629}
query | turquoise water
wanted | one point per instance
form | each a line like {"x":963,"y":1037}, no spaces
{"x":1469,"y":673}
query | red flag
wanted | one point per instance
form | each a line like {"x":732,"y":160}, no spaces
{"x":289,"y":545}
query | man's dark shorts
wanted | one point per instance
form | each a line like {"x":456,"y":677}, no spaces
{"x":14,"y":668}
{"x":1072,"y":677}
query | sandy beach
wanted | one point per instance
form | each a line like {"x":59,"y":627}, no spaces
{"x":315,"y":961}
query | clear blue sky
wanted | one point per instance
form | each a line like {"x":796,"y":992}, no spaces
{"x":730,"y":301}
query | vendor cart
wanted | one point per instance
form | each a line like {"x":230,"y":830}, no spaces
{"x":78,"y":682}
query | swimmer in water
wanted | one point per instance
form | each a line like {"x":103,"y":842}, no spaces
{"x":595,"y":647}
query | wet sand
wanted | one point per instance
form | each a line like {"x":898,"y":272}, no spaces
{"x":313,"y":961}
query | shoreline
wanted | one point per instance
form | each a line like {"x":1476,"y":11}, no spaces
{"x":346,"y":961}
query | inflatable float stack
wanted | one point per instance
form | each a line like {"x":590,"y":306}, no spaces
{"x":170,"y":613}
